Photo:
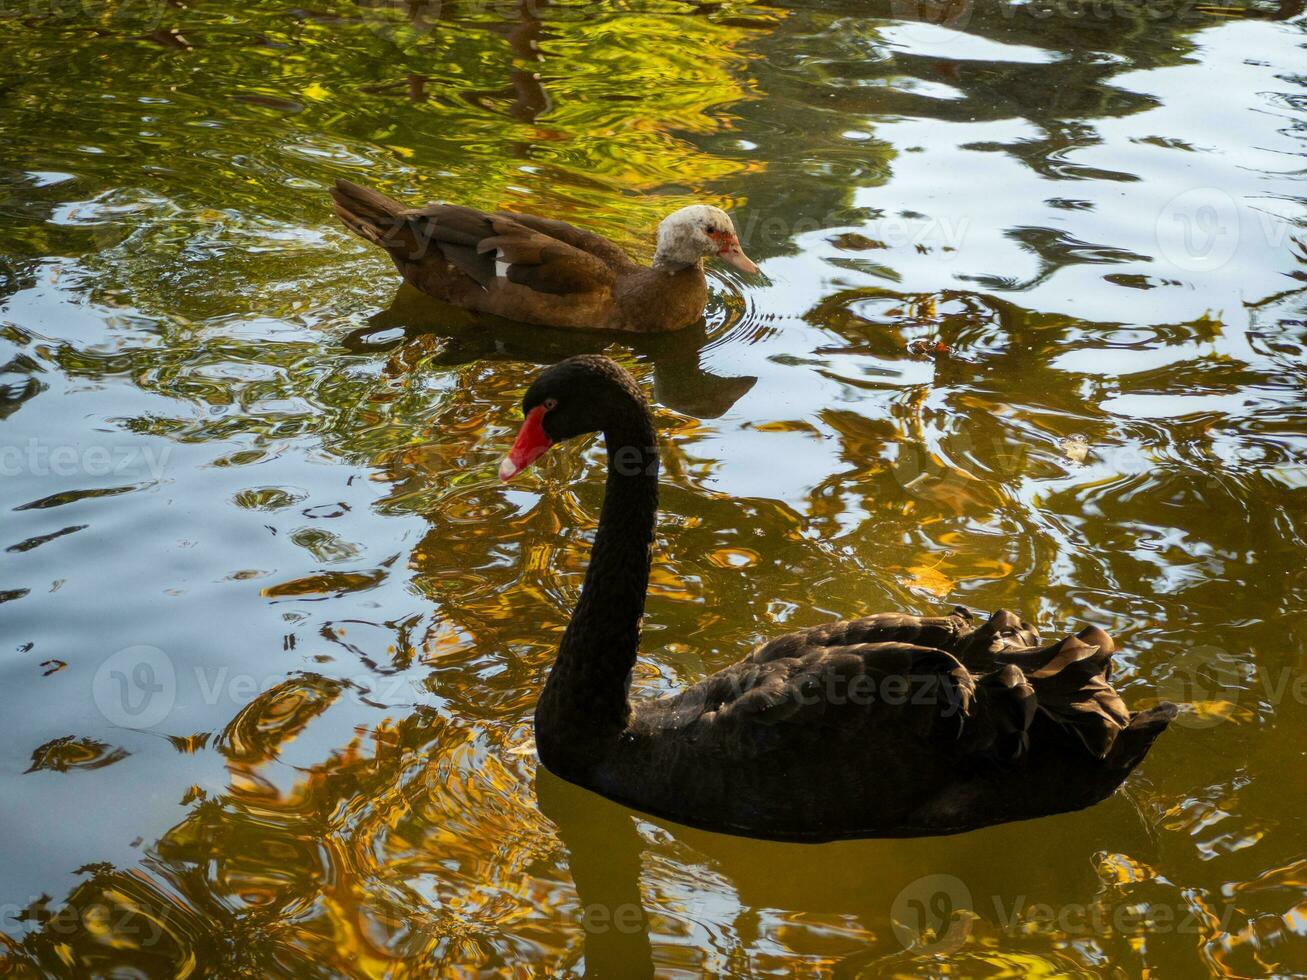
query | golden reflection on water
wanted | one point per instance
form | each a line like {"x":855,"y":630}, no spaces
{"x":297,"y":506}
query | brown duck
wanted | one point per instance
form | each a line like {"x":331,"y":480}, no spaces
{"x":886,"y":726}
{"x":537,"y":270}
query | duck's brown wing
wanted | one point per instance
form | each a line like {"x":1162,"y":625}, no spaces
{"x":489,"y":249}
{"x":597,"y":245}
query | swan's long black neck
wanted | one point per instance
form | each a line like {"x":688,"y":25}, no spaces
{"x":585,"y":697}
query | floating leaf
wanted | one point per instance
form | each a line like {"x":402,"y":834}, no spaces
{"x":853,"y":242}
{"x":68,"y":753}
{"x":925,"y":347}
{"x":326,"y":584}
{"x":526,"y":748}
{"x":1219,"y":710}
{"x":928,"y":579}
{"x":1076,"y":448}
{"x":733,"y":557}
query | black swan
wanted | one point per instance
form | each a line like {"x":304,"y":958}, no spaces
{"x":539,"y":270}
{"x":886,"y":726}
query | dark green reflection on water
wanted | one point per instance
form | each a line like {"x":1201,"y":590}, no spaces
{"x":234,"y":453}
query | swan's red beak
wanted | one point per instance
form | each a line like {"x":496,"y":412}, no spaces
{"x":530,"y":445}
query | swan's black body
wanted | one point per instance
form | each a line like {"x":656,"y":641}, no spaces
{"x":886,"y":726}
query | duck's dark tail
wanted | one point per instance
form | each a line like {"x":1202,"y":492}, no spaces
{"x":376,"y":218}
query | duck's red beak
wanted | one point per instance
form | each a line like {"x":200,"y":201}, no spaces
{"x":729,"y":251}
{"x":530,"y":445}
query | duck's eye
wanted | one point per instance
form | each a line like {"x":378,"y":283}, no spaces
{"x":550,"y":404}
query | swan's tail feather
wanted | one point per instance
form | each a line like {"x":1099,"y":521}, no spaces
{"x":1070,"y":682}
{"x":1144,"y":728}
{"x":1003,"y":631}
{"x":1040,"y":701}
{"x":1010,"y":704}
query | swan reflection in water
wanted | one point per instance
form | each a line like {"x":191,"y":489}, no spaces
{"x":415,"y":327}
{"x":895,"y":902}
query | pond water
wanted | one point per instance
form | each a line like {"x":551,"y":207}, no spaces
{"x":271,"y":631}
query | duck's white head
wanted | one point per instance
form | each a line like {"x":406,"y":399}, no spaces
{"x":696,"y":232}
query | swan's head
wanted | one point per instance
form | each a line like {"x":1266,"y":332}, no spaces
{"x":696,"y":232}
{"x":574,"y":397}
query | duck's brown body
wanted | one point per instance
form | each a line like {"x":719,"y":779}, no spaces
{"x":521,"y":267}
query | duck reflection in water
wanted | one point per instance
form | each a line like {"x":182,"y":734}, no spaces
{"x":417,"y":328}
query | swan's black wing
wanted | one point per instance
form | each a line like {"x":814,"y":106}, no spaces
{"x":938,"y":686}
{"x":955,"y":633}
{"x":886,"y":726}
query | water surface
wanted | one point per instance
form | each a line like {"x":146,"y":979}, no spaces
{"x":271,"y":632}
